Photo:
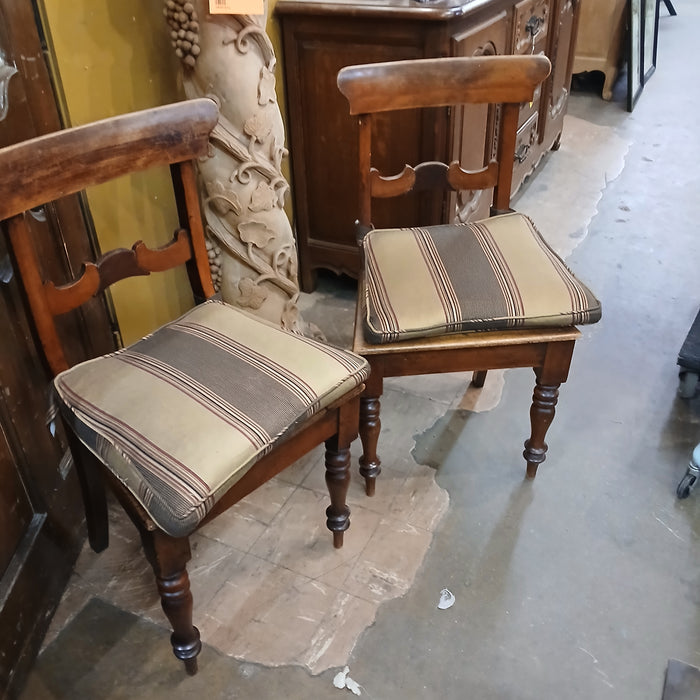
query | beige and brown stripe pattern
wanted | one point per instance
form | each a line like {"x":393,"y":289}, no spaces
{"x":234,"y":382}
{"x":494,"y":274}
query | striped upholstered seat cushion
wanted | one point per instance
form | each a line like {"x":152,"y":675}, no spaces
{"x":490,"y":275}
{"x":181,"y":415}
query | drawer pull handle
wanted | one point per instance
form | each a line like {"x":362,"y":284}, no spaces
{"x":6,"y":72}
{"x":533,"y":27}
{"x":521,"y":154}
{"x":6,"y":271}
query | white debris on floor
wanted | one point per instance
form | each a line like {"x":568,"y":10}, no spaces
{"x":342,"y":680}
{"x":447,"y":599}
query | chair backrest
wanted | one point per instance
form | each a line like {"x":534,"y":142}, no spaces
{"x":41,"y":170}
{"x":506,"y":81}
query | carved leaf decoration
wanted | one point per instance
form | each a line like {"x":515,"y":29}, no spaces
{"x":293,"y":267}
{"x":256,"y":232}
{"x":291,"y":317}
{"x":263,"y":198}
{"x":258,"y":126}
{"x":266,"y":87}
{"x":252,"y":295}
{"x":223,"y":199}
{"x":277,"y":153}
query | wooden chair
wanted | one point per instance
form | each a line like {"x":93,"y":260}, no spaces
{"x":467,"y":296}
{"x":187,"y":421}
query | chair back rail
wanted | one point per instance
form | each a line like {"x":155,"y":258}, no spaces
{"x":398,"y":85}
{"x":441,"y":82}
{"x":40,"y":170}
{"x":55,"y":165}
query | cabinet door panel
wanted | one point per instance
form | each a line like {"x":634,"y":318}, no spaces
{"x":561,"y":53}
{"x":321,"y":36}
{"x":473,"y":141}
{"x":324,"y":155}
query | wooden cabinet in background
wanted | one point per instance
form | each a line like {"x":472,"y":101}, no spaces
{"x":322,"y":36}
{"x":601,"y":40}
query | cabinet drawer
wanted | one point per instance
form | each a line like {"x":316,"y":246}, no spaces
{"x":527,"y":109}
{"x":526,"y":153}
{"x":530,"y":30}
{"x":530,"y":26}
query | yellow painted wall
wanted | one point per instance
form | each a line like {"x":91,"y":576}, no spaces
{"x":115,"y":57}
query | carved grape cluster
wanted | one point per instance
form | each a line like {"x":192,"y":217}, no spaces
{"x":214,"y":253}
{"x":184,"y":30}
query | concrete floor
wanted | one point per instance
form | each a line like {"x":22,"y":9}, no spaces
{"x":581,"y":584}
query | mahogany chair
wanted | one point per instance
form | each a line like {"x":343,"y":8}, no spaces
{"x":458,"y":297}
{"x":187,"y":421}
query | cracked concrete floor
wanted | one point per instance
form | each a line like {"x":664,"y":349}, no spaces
{"x":581,"y":584}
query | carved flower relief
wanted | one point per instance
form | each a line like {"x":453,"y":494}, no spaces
{"x":260,"y":129}
{"x":266,"y":87}
{"x":258,"y":126}
{"x":256,"y":233}
{"x":263,"y":198}
{"x":223,"y":199}
{"x":252,"y":295}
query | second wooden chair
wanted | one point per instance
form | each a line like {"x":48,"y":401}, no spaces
{"x":458,"y":297}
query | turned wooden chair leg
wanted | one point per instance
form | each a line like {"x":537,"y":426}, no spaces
{"x":478,"y":378}
{"x":337,"y":480}
{"x":169,"y":556}
{"x":92,"y":487}
{"x":544,"y":400}
{"x":370,"y":427}
{"x":338,"y":469}
{"x":550,"y":377}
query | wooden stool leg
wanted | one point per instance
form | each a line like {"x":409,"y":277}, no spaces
{"x":169,"y":556}
{"x":544,"y":400}
{"x":337,"y":480}
{"x":370,"y":427}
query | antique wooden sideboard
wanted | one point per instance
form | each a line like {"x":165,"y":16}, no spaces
{"x":321,"y":36}
{"x":601,"y":39}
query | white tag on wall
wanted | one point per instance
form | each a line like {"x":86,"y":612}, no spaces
{"x":236,"y":7}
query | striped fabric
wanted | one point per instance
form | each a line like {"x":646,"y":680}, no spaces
{"x":490,"y":275}
{"x":181,"y":415}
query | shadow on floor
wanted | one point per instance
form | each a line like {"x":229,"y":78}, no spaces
{"x":100,"y":642}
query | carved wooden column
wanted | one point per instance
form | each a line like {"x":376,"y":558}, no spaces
{"x":252,"y":249}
